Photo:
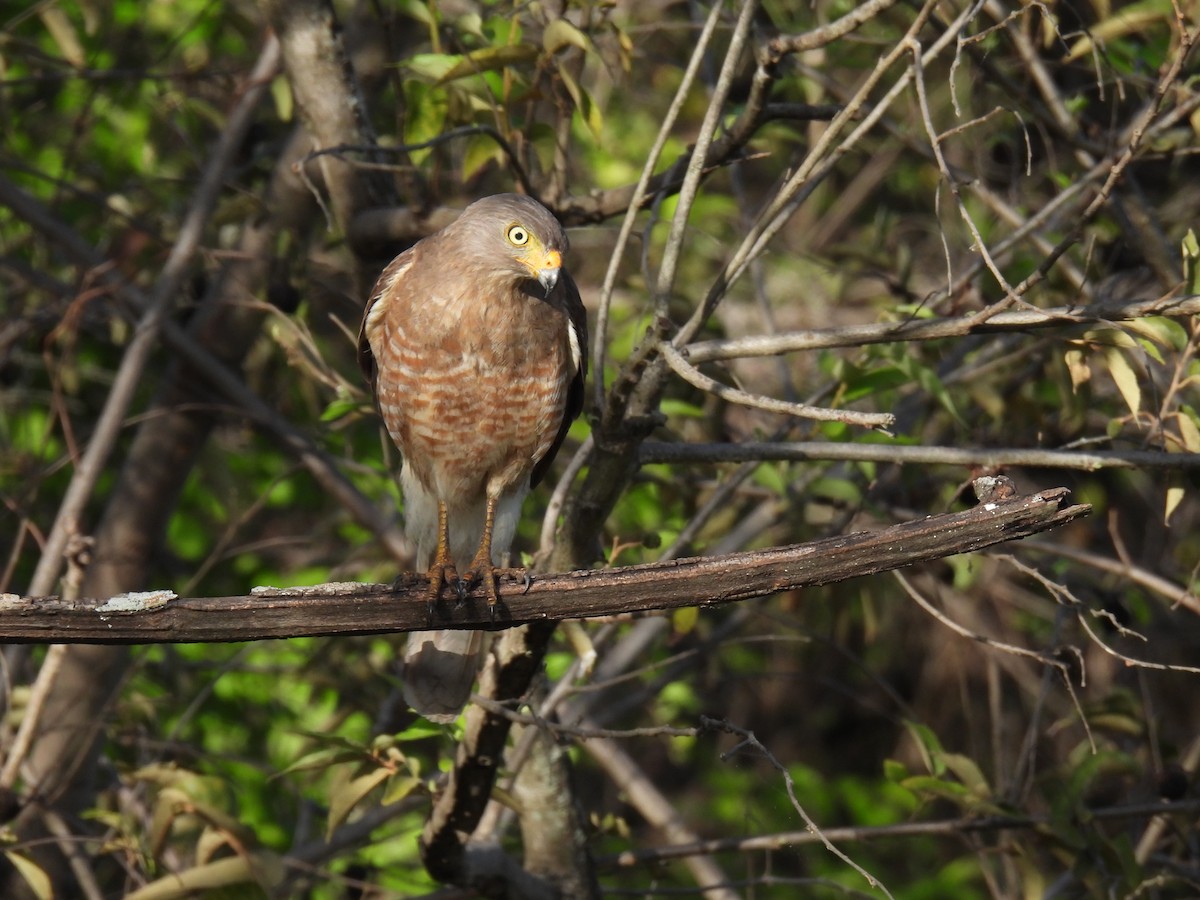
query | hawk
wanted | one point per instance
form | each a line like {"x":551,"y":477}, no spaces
{"x":475,"y":343}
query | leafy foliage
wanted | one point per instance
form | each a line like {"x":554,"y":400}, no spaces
{"x":288,"y":767}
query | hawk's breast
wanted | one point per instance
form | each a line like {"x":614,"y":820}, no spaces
{"x":473,"y":392}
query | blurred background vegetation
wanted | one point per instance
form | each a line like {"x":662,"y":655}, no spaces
{"x":286,"y":768}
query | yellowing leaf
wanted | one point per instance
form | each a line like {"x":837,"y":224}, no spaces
{"x":1189,"y":433}
{"x":418,"y":10}
{"x":265,"y":869}
{"x":1125,"y":377}
{"x":38,"y":881}
{"x":1078,"y":369}
{"x":1159,"y":329}
{"x":64,"y":35}
{"x":1131,"y":19}
{"x":348,"y":794}
{"x":1174,"y":497}
{"x":561,"y":33}
{"x":969,"y":773}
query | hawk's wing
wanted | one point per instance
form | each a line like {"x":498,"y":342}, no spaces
{"x":572,"y":304}
{"x":384,"y":284}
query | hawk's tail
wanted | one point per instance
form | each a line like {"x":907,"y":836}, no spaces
{"x":439,"y":671}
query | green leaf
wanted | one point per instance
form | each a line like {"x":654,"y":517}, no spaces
{"x":418,"y":10}
{"x":339,"y":408}
{"x":400,"y":787}
{"x":420,"y":730}
{"x":684,"y":620}
{"x":281,"y":93}
{"x":928,"y":744}
{"x":968,"y":772}
{"x":432,"y":66}
{"x":489,"y":59}
{"x":1190,"y":251}
{"x":588,"y":110}
{"x":63,"y":32}
{"x":863,"y":384}
{"x":481,"y":151}
{"x":322,"y":759}
{"x":841,"y":489}
{"x":1189,"y":431}
{"x":675,"y":407}
{"x":937,"y":787}
{"x":895,"y":771}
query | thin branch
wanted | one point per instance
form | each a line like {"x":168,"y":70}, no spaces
{"x":952,"y":828}
{"x":696,"y":165}
{"x":352,"y":608}
{"x":993,"y":458}
{"x":640,"y":192}
{"x":748,"y":739}
{"x":28,"y":730}
{"x":453,"y":134}
{"x":644,"y":796}
{"x":1176,"y":594}
{"x":1044,"y":658}
{"x":694,"y":377}
{"x":859,"y":15}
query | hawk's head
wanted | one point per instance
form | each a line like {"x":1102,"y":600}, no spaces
{"x":514,"y":234}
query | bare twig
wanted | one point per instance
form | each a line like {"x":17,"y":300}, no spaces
{"x":749,"y":740}
{"x":993,"y":458}
{"x":640,"y":191}
{"x":697,"y":379}
{"x":657,"y":809}
{"x":950,"y":828}
{"x":939,"y":329}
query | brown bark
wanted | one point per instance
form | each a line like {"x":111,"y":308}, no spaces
{"x":342,"y":609}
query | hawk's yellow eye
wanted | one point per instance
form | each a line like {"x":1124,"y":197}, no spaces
{"x":518,"y":236}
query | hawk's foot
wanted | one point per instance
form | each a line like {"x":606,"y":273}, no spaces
{"x":490,"y":574}
{"x":439,"y":574}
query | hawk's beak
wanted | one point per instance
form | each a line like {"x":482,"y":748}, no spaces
{"x":547,"y":269}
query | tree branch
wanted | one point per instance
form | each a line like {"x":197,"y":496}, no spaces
{"x":907,"y":454}
{"x":352,"y":608}
{"x":953,"y":828}
{"x":1094,"y":315}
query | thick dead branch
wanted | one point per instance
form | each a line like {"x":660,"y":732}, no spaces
{"x":339,"y":609}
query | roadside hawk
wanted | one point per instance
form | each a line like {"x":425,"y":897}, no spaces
{"x":475,"y":341}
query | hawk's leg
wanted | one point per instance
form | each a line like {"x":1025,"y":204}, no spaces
{"x":482,"y":567}
{"x":441,"y":561}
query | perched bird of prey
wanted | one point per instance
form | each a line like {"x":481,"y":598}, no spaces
{"x":475,"y":341}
